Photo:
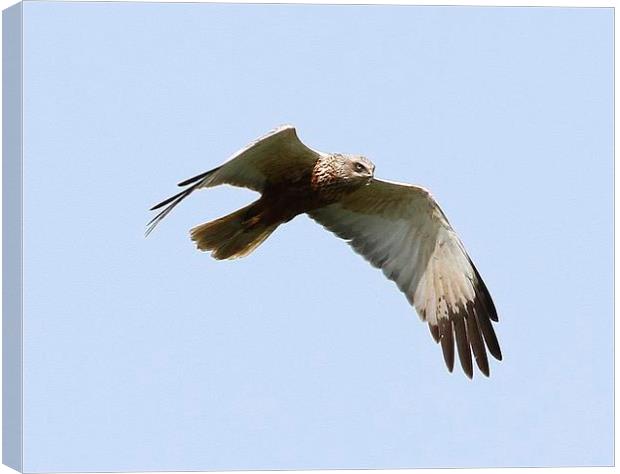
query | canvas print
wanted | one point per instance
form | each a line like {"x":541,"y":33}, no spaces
{"x":350,"y":179}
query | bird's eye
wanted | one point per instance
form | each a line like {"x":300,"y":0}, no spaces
{"x":359,"y":167}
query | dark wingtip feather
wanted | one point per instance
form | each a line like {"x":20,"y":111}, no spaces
{"x":150,"y":226}
{"x":483,"y":293}
{"x":485,"y":312}
{"x":434,"y":332}
{"x":462,"y":344}
{"x":476,"y":342}
{"x":198,"y":177}
{"x":170,"y":204}
{"x":447,"y":343}
{"x":486,"y":371}
{"x":172,"y":201}
{"x":484,"y":324}
{"x":167,"y":200}
{"x":193,"y":179}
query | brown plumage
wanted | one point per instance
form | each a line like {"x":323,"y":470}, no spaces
{"x":396,"y":227}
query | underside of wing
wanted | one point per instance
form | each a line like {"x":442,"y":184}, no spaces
{"x":272,"y":158}
{"x":279,"y":155}
{"x":401,"y":230}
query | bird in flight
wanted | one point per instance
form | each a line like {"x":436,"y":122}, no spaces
{"x":398,"y":228}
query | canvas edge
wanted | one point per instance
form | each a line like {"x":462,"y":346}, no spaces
{"x":12,"y":147}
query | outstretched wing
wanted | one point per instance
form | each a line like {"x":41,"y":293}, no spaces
{"x":275,"y":157}
{"x":401,"y":229}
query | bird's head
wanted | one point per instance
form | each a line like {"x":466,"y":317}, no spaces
{"x":359,"y":168}
{"x":339,"y":173}
{"x":352,"y":169}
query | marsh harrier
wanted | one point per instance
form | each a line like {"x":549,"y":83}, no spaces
{"x":398,"y":228}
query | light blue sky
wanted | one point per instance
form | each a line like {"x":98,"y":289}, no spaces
{"x":146,"y":354}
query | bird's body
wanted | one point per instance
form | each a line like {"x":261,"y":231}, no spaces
{"x":315,"y":187}
{"x":396,"y":227}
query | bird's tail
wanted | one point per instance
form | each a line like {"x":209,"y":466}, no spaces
{"x":233,"y":236}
